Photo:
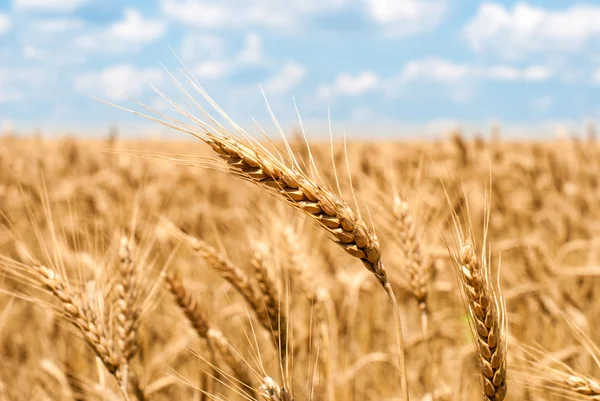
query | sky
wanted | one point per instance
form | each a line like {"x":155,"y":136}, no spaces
{"x":374,"y":67}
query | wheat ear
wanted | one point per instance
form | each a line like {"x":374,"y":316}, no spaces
{"x":127,"y":311}
{"x":418,"y":269}
{"x":252,"y":162}
{"x":583,"y":385}
{"x":331,"y":212}
{"x":241,"y":282}
{"x":226,"y":268}
{"x":215,"y":338}
{"x":84,"y":318}
{"x":487,"y":320}
{"x":270,"y":301}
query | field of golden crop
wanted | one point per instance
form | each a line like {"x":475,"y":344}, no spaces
{"x":130,"y":275}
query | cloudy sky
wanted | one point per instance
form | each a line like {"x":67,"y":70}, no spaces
{"x":413,"y":63}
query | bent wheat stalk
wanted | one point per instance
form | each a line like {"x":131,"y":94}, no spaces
{"x":252,"y":162}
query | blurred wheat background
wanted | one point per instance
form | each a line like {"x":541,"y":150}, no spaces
{"x":191,"y":277}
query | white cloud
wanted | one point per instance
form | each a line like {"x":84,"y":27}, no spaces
{"x":3,"y":76}
{"x":526,"y":29}
{"x":252,"y":52}
{"x":458,"y":79}
{"x":396,"y":17}
{"x":215,"y":63}
{"x":23,"y":82}
{"x":202,"y":46}
{"x":458,"y":82}
{"x":10,"y":95}
{"x":56,"y":25}
{"x":48,"y":5}
{"x":238,"y":14}
{"x":128,"y":34}
{"x":134,"y":28}
{"x":212,"y":69}
{"x":434,"y":69}
{"x":32,"y":52}
{"x":207,"y":14}
{"x":504,"y":72}
{"x":124,"y":78}
{"x":286,"y":79}
{"x":534,"y":73}
{"x":510,"y":73}
{"x":53,"y":40}
{"x":195,"y":13}
{"x":5,"y":23}
{"x":213,"y":49}
{"x":596,"y":76}
{"x":348,"y":85}
{"x":403,"y":17}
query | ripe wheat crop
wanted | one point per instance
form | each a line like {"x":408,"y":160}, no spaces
{"x":237,"y":267}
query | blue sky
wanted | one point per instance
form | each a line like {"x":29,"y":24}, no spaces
{"x":414,"y":65}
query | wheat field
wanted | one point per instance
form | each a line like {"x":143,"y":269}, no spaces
{"x":455,"y":269}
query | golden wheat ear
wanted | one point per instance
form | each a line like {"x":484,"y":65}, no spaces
{"x":487,"y":320}
{"x":418,"y":269}
{"x":483,"y":302}
{"x":247,"y":159}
